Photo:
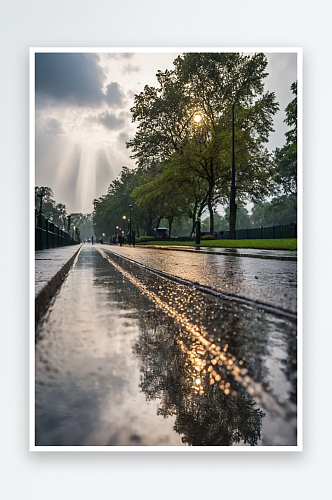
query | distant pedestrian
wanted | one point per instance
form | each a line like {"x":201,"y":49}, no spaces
{"x":92,"y":240}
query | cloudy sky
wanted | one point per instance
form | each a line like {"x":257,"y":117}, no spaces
{"x":83,"y":120}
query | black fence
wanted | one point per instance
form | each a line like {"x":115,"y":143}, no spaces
{"x":253,"y":233}
{"x":259,"y":233}
{"x":48,"y":235}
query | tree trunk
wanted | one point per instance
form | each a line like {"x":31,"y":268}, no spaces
{"x":194,"y":219}
{"x":209,"y":200}
{"x":170,"y":221}
{"x":211,"y":217}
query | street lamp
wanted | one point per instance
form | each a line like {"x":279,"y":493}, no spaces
{"x":130,"y":235}
{"x":41,"y":195}
{"x":124,"y":224}
{"x":233,"y":206}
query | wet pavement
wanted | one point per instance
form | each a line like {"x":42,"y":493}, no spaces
{"x":51,"y":266}
{"x":125,"y":357}
{"x":270,"y":282}
{"x":255,"y":253}
{"x":50,"y":262}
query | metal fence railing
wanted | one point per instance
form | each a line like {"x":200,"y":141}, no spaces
{"x":268,"y":232}
{"x":48,"y":235}
{"x":253,"y":233}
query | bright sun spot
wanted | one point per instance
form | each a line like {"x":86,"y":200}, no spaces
{"x":197,"y":118}
{"x":198,"y":381}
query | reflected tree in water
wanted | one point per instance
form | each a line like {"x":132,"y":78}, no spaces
{"x":205,"y":415}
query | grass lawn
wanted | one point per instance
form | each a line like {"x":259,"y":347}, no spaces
{"x":282,"y":244}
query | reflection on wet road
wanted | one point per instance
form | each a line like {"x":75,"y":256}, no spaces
{"x":126,"y":357}
{"x":270,"y":282}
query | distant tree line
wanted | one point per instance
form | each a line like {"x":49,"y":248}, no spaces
{"x":183,"y":143}
{"x":57,"y":213}
{"x":280,"y":210}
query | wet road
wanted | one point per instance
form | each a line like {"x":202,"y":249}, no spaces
{"x":271,"y":282}
{"x":125,"y":357}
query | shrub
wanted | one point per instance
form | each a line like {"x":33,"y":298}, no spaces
{"x":208,"y":237}
{"x":144,"y":239}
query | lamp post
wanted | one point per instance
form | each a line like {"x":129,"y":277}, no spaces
{"x":124,"y":224}
{"x":130,"y":235}
{"x":41,"y":195}
{"x":233,"y":206}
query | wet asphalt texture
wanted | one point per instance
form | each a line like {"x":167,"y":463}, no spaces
{"x":125,"y":357}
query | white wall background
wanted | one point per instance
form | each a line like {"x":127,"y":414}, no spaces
{"x":101,"y":23}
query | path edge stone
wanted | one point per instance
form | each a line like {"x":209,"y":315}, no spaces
{"x":48,"y":291}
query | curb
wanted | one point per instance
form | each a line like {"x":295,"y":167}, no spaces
{"x":49,"y":290}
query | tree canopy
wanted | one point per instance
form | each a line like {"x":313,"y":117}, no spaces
{"x":286,"y":157}
{"x":185,"y":126}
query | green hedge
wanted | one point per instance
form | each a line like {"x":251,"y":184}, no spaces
{"x":208,"y":237}
{"x":143,"y":239}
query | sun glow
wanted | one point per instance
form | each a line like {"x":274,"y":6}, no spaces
{"x":197,"y":118}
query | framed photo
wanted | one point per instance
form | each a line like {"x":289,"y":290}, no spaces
{"x":166,"y":249}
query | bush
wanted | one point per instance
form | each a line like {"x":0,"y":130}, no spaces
{"x":208,"y":237}
{"x":144,"y":239}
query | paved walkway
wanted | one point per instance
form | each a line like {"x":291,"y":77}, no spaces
{"x":127,"y":358}
{"x":268,"y":282}
{"x":51,"y":265}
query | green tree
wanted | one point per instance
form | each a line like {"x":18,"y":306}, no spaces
{"x":109,"y":209}
{"x":286,"y":157}
{"x":280,"y":210}
{"x":55,"y":212}
{"x":242,"y":219}
{"x":171,"y":192}
{"x":208,"y":85}
{"x":84,"y":222}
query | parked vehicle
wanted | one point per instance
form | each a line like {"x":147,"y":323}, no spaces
{"x":161,"y":232}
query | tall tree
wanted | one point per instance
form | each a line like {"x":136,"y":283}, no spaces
{"x":110,"y":208}
{"x":187,"y":122}
{"x":286,"y":157}
{"x":55,"y":212}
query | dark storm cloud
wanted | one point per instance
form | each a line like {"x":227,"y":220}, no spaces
{"x":111,"y":121}
{"x":123,"y":137}
{"x":54,"y":127}
{"x":74,"y":79}
{"x":114,"y":95}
